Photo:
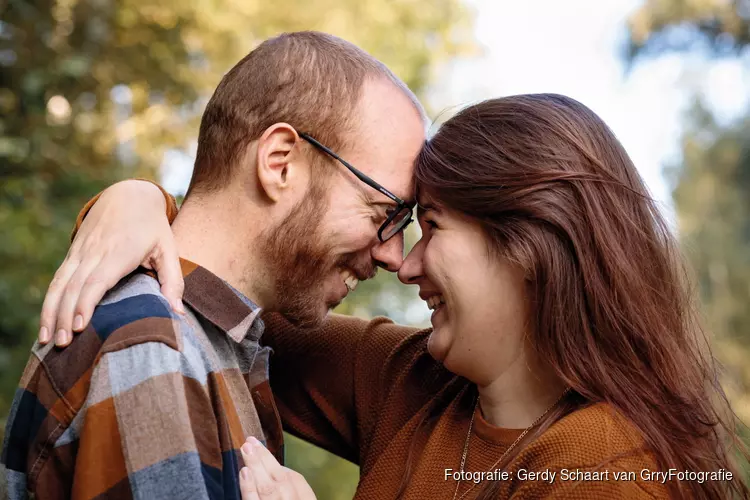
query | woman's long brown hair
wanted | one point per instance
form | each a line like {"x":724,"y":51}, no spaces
{"x":613,"y":309}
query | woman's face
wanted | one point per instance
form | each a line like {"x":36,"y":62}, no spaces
{"x":478,"y":298}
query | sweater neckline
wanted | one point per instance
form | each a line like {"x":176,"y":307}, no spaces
{"x":497,"y":435}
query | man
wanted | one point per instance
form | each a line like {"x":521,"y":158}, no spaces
{"x":146,"y":403}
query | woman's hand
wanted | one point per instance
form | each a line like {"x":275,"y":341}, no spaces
{"x":125,"y":228}
{"x":263,"y":478}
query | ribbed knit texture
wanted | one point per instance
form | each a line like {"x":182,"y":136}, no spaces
{"x":361,"y":388}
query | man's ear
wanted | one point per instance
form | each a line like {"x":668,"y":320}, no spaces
{"x":276,"y":174}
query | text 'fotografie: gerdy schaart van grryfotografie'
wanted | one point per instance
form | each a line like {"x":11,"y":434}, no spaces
{"x":551,"y":476}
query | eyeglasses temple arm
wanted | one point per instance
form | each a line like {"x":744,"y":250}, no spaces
{"x":364,"y":178}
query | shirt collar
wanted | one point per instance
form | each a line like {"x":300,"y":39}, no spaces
{"x":220,"y":303}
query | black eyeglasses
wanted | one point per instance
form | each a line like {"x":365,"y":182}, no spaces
{"x":400,"y":216}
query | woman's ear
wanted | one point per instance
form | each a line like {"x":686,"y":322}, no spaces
{"x":276,"y":171}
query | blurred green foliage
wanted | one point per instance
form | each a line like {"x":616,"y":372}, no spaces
{"x":662,"y":26}
{"x":95,"y":91}
{"x":711,"y":182}
{"x":92,"y":91}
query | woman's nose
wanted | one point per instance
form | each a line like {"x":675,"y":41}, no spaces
{"x":411,"y":269}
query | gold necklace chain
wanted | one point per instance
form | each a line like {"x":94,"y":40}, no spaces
{"x":505,"y":453}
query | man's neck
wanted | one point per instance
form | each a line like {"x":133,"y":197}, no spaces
{"x":207,"y":233}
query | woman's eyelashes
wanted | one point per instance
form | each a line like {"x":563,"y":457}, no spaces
{"x":427,"y":222}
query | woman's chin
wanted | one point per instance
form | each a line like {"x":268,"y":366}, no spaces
{"x":436,"y":347}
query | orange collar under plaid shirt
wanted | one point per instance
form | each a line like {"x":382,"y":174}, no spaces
{"x":145,"y":403}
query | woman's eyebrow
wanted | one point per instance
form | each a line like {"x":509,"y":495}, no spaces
{"x":424,"y":207}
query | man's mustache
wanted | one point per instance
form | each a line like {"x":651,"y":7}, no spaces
{"x":364,"y":271}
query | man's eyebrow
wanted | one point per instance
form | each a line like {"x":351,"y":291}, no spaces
{"x":386,"y":203}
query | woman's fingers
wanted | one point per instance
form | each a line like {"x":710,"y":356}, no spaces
{"x":276,"y":471}
{"x":267,"y":483}
{"x":248,"y":488}
{"x":270,"y":480}
{"x":165,"y":261}
{"x":97,"y":284}
{"x":55,"y":291}
{"x":302,"y":489}
{"x":67,"y":320}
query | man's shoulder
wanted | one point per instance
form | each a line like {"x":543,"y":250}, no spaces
{"x":133,"y":337}
{"x":135,"y":312}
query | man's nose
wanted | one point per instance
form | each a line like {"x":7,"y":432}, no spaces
{"x":390,"y":254}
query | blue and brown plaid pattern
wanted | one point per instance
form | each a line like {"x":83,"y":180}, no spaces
{"x":145,"y":403}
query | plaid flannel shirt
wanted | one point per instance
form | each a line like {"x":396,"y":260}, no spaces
{"x":145,"y":403}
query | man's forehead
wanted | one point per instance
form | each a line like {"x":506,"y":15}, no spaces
{"x":390,"y":164}
{"x":388,"y":133}
{"x":395,"y":172}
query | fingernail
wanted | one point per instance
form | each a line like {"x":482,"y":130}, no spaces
{"x":247,"y":449}
{"x":254,"y":441}
{"x":245,"y":473}
{"x":43,"y":335}
{"x":61,"y":337}
{"x":78,"y":322}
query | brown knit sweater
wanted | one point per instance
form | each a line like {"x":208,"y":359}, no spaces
{"x":359,"y":389}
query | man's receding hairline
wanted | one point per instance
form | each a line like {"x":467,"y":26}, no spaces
{"x":396,"y":84}
{"x":378,"y":69}
{"x":312,"y":80}
{"x":405,"y":90}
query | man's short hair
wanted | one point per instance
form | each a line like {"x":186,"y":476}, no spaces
{"x":310,"y":80}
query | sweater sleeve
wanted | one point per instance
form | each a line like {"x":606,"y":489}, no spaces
{"x":329,"y":383}
{"x":171,"y":207}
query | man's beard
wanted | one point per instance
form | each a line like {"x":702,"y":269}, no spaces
{"x":299,"y":262}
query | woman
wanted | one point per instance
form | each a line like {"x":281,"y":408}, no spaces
{"x":565,"y":358}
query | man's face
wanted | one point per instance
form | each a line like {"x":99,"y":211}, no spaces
{"x":330,"y":241}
